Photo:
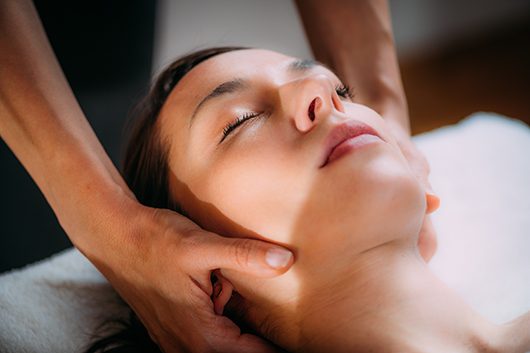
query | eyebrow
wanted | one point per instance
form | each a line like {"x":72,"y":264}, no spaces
{"x":239,"y":84}
{"x":302,"y":65}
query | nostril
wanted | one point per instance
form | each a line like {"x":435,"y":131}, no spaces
{"x":311,"y":110}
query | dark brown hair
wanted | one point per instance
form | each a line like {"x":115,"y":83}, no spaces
{"x":145,"y":166}
{"x":145,"y":169}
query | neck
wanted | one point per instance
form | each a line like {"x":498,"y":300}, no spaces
{"x":390,"y":300}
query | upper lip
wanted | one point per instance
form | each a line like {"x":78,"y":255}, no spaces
{"x":343,"y":132}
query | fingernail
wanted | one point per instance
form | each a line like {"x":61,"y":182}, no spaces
{"x":278,"y":258}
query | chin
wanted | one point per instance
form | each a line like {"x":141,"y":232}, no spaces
{"x":398,"y":197}
{"x":380,"y":198}
{"x":404,"y":208}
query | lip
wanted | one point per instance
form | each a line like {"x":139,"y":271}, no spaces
{"x":341,"y":133}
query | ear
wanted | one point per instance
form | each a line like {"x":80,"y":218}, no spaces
{"x":222,"y":292}
{"x":433,"y":202}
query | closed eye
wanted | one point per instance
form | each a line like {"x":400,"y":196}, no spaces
{"x":237,"y":122}
{"x":344,"y":91}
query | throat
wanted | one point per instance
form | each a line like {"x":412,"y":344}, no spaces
{"x":390,"y":298}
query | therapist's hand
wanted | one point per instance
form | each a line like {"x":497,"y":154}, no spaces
{"x":164,"y":274}
{"x":419,"y":166}
{"x":159,"y":261}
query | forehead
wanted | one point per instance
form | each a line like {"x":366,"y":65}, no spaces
{"x":223,"y":67}
{"x":236,"y":63}
{"x":218,"y":69}
{"x":247,"y":63}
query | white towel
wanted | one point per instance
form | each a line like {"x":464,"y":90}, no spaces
{"x":481,"y":171}
{"x":54,"y":305}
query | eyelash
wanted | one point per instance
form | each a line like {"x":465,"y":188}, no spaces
{"x":342,"y":90}
{"x":238,"y":121}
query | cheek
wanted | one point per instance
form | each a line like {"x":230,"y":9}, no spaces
{"x":255,"y":194}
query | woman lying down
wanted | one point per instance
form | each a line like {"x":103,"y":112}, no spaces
{"x":279,"y":151}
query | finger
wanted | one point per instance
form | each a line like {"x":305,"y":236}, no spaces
{"x":251,"y":343}
{"x":427,"y":185}
{"x":427,"y":242}
{"x":250,"y":256}
{"x":231,"y":340}
{"x":222,"y":293}
{"x":417,"y":162}
{"x":433,"y":202}
{"x":421,"y":169}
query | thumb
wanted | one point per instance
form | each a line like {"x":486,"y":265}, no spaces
{"x":255,"y":344}
{"x":251,"y":256}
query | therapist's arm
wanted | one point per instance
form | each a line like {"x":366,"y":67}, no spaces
{"x":159,"y":261}
{"x":355,"y":39}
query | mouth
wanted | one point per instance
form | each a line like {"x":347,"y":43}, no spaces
{"x":346,"y":137}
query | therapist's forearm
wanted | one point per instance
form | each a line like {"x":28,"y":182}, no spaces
{"x":355,"y":39}
{"x":150,"y":256}
{"x":42,"y":123}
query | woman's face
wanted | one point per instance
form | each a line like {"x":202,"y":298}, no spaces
{"x":264,"y":178}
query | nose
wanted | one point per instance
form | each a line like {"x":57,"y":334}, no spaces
{"x":309,"y":100}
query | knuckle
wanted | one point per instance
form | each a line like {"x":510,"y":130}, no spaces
{"x":189,"y":250}
{"x":242,"y":252}
{"x":158,"y":216}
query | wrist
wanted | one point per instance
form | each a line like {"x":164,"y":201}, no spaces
{"x":98,"y":215}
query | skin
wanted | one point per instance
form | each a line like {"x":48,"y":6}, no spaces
{"x":337,"y":32}
{"x":204,"y":169}
{"x":359,"y":282}
{"x":42,"y":123}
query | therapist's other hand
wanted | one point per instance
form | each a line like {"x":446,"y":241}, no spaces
{"x":164,"y":271}
{"x":427,"y":242}
{"x":336,"y":32}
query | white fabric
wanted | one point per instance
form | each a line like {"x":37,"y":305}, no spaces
{"x":54,"y":305}
{"x":481,"y":171}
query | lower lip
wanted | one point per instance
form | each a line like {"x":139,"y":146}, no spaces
{"x":352,"y":144}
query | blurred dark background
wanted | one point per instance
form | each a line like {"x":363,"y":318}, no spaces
{"x":485,"y":71}
{"x":105,"y":50}
{"x":456,"y":57}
